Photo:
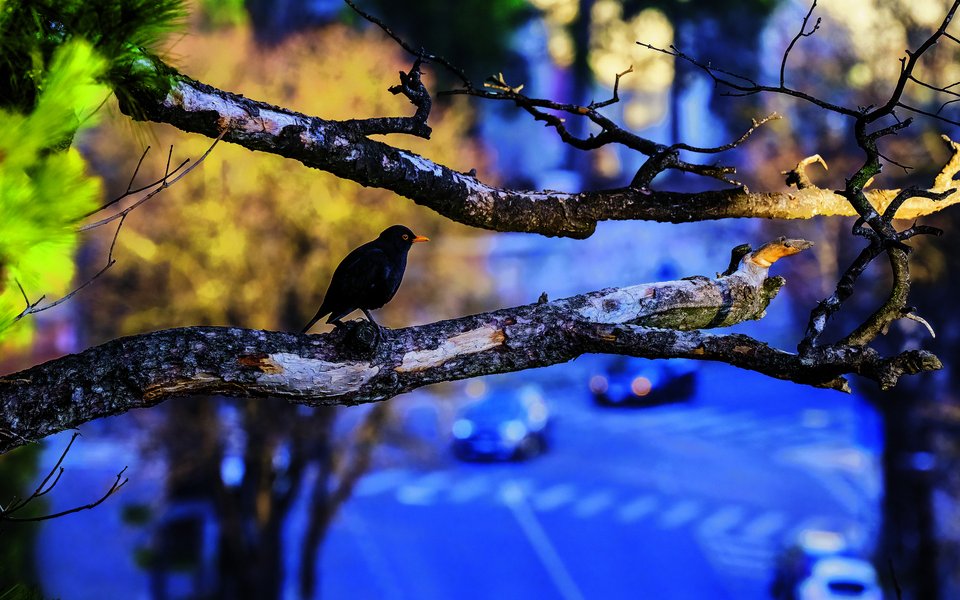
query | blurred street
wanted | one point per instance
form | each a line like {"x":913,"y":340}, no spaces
{"x":690,"y":500}
{"x":682,"y":501}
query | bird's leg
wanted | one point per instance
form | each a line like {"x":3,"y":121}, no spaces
{"x":367,"y":314}
{"x":378,"y":329}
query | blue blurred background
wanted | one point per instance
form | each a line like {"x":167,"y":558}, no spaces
{"x":603,"y":478}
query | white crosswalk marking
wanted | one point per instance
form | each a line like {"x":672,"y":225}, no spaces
{"x":470,"y":489}
{"x":638,"y":508}
{"x":380,"y":481}
{"x":769,"y":431}
{"x":679,"y":514}
{"x":731,"y":421}
{"x":593,"y":504}
{"x":764,"y":526}
{"x":721,"y":521}
{"x":746,"y":560}
{"x":423,"y":490}
{"x":554,"y":497}
{"x":682,"y":417}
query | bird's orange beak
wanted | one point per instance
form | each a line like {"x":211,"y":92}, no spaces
{"x":421,"y":238}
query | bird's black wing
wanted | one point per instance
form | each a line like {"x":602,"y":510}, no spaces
{"x":361,"y":280}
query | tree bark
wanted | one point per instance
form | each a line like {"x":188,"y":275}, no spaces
{"x":349,"y":366}
{"x":344,"y":149}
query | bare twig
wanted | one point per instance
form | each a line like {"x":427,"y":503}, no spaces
{"x":45,"y":486}
{"x":421,"y":53}
{"x":922,"y":321}
{"x":908,"y":65}
{"x":411,"y":86}
{"x":755,"y":124}
{"x":739,"y":85}
{"x":800,"y":34}
{"x":159,"y":185}
{"x":131,"y":191}
{"x":165,"y":182}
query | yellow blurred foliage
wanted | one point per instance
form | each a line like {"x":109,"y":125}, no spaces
{"x":251,"y":239}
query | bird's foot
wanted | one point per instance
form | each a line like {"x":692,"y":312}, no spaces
{"x":363,"y":337}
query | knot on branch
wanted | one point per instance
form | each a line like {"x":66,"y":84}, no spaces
{"x":945,"y":178}
{"x":771,"y":252}
{"x":887,"y":372}
{"x":412,"y":87}
{"x":736,"y":255}
{"x":358,"y":338}
{"x":665,"y":158}
{"x":798,"y":175}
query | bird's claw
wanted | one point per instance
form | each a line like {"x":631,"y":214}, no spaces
{"x":361,"y":336}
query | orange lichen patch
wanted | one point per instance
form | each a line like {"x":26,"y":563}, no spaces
{"x":261,"y":362}
{"x":773,"y":251}
{"x":196,"y":384}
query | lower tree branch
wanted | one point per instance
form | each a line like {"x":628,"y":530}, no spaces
{"x":657,"y":320}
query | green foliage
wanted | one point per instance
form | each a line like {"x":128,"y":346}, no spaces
{"x":472,"y":34}
{"x":31,"y":31}
{"x":221,"y":13}
{"x":44,"y":191}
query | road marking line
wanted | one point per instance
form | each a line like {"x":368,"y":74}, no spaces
{"x":469,"y":489}
{"x":554,"y":497}
{"x":381,"y":569}
{"x":593,"y":504}
{"x":764,"y":526}
{"x":380,"y":481}
{"x":422,"y":491}
{"x":637,"y":509}
{"x":721,"y":521}
{"x":515,"y":498}
{"x":679,"y":514}
{"x":681,"y":416}
{"x":735,"y":421}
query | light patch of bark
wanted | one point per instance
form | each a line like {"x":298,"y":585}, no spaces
{"x":469,"y":342}
{"x":292,"y":373}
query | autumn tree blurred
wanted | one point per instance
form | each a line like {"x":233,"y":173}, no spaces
{"x":251,"y":240}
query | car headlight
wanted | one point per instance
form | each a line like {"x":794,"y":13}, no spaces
{"x":462,"y":429}
{"x":513,"y":431}
{"x":641,"y":386}
{"x":598,"y":384}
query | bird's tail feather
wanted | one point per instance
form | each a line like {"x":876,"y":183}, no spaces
{"x":312,"y":322}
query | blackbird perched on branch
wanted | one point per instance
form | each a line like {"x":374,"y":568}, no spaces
{"x":368,"y":277}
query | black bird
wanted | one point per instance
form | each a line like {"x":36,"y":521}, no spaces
{"x":368,"y":277}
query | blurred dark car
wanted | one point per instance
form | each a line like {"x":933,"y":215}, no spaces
{"x":508,"y":423}
{"x":628,"y":381}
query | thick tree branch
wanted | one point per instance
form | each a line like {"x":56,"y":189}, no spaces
{"x":656,"y":320}
{"x":343,"y":149}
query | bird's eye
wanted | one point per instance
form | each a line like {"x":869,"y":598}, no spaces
{"x":406,"y":237}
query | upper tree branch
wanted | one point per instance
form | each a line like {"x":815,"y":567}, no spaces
{"x":343,"y":149}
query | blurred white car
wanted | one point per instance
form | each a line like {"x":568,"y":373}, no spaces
{"x":840,"y":578}
{"x":825,"y":564}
